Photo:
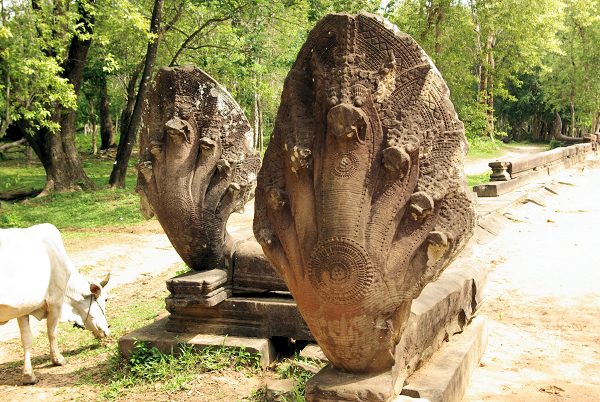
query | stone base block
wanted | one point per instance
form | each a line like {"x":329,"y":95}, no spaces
{"x":332,"y":385}
{"x":279,"y":390}
{"x":314,"y":352}
{"x":261,"y":317}
{"x":253,"y":271}
{"x":445,"y":377}
{"x":497,"y":188}
{"x":156,"y":335}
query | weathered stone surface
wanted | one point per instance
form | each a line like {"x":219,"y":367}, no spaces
{"x":333,"y":385}
{"x":156,"y":335}
{"x":447,"y":374}
{"x":527,"y":169}
{"x":253,"y":271}
{"x":498,"y":188}
{"x":263,"y":317}
{"x":499,"y":171}
{"x":279,"y":390}
{"x":521,"y":165}
{"x":205,"y":288}
{"x":313,"y":351}
{"x":442,"y":310}
{"x":361,"y":200}
{"x":197,"y":164}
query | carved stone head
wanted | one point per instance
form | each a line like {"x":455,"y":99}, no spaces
{"x":361,"y":200}
{"x":197,"y":164}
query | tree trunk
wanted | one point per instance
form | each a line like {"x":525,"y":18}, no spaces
{"x":572,"y":106}
{"x":57,"y":151}
{"x":107,"y":132}
{"x":93,"y":133}
{"x":260,"y":126}
{"x":125,"y":117}
{"x":486,"y":83}
{"x":117,"y":176}
{"x":596,"y":123}
{"x":255,"y":123}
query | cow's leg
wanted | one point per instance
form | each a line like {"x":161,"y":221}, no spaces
{"x":52,"y":325}
{"x":26,"y":339}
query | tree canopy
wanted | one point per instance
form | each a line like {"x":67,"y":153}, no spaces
{"x":510,"y":64}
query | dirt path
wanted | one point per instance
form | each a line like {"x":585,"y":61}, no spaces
{"x":544,"y":300}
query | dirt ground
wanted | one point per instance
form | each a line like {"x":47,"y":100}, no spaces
{"x":543,"y":305}
{"x":544,"y":299}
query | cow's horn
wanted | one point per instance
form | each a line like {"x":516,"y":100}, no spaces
{"x":105,"y":280}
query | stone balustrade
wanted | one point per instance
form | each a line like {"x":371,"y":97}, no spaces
{"x":507,"y":175}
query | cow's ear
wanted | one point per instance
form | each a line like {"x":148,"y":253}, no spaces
{"x":95,"y":289}
{"x":105,"y":280}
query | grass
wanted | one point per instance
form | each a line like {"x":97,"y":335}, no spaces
{"x":484,"y":148}
{"x":75,"y":210}
{"x":475,"y":179}
{"x":296,"y":369}
{"x":148,"y":365}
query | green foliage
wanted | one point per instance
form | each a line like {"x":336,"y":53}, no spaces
{"x":482,"y":147}
{"x":475,"y":179}
{"x":149,"y":365}
{"x":30,"y":66}
{"x":83,"y":209}
{"x":554,"y":143}
{"x":300,"y":370}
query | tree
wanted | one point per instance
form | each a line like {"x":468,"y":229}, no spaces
{"x":117,"y":176}
{"x":49,"y":126}
{"x":571,"y":81}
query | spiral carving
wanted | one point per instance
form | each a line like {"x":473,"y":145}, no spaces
{"x":379,"y":206}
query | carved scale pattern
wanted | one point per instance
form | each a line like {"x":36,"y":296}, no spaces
{"x":197,"y":163}
{"x":361,"y":200}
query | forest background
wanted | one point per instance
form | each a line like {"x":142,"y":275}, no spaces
{"x":68,"y":67}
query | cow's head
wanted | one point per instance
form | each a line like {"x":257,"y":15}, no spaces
{"x":89,"y":309}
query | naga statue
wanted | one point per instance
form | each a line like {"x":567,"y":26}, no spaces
{"x":197,"y":164}
{"x":361,"y":200}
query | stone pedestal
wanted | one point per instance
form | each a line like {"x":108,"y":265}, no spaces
{"x":499,"y":171}
{"x":156,"y":335}
{"x":444,"y":309}
{"x":252,"y":301}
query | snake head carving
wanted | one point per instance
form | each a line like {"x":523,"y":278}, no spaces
{"x":197,"y":163}
{"x":377,"y":205}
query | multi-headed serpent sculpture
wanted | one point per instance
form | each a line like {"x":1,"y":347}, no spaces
{"x":197,"y":164}
{"x":361,"y":200}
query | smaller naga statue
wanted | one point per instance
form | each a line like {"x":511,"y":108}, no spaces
{"x":361,"y":200}
{"x":197,"y":164}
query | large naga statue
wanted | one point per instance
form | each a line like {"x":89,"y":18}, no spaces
{"x":361,"y":200}
{"x":197,"y":163}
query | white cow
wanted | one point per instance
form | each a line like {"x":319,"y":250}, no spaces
{"x":37,"y":278}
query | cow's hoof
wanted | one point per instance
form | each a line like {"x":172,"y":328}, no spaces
{"x":60,"y":361}
{"x":29,"y":379}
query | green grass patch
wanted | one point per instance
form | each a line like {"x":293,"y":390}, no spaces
{"x":148,"y":365}
{"x":77,"y":210}
{"x":81,"y":209}
{"x":19,"y":175}
{"x":482,"y":148}
{"x":300,"y":370}
{"x":475,"y":179}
